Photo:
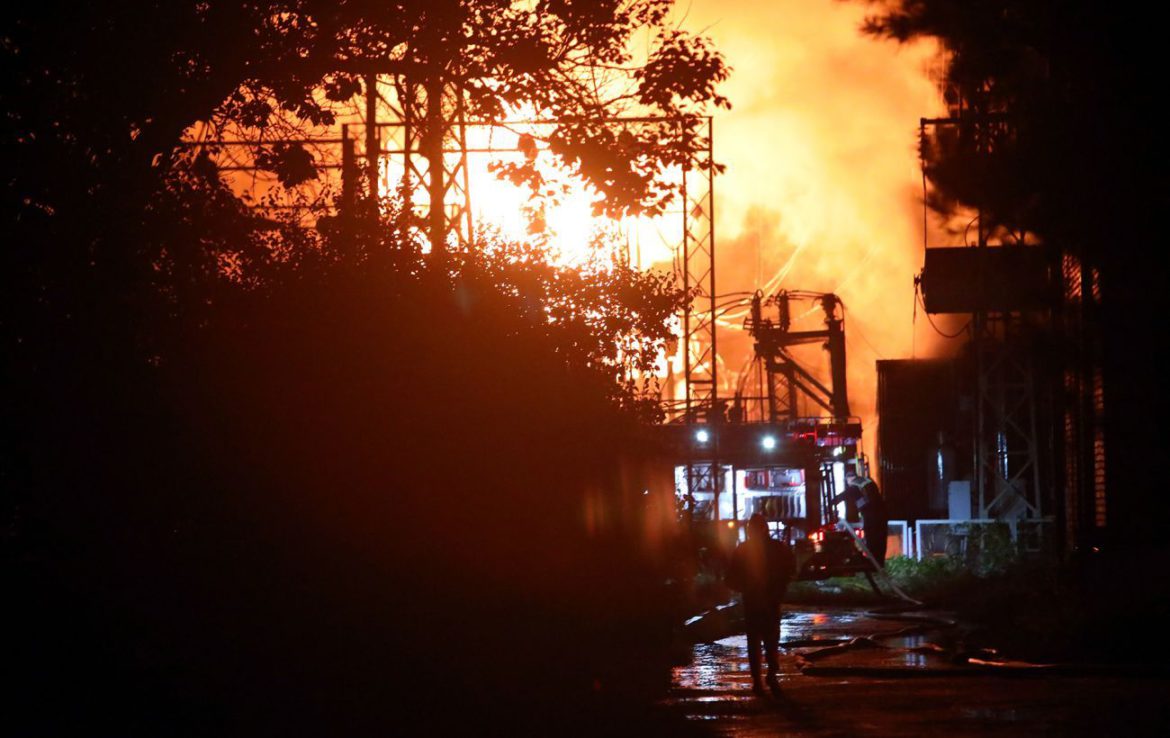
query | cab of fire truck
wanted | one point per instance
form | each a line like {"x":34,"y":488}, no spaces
{"x":789,"y":472}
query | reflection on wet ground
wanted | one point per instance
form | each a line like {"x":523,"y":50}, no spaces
{"x":813,"y":635}
{"x":862,"y":690}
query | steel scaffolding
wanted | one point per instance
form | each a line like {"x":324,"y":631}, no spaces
{"x":700,"y":356}
{"x":383,"y":149}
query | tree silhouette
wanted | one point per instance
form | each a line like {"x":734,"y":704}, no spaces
{"x":1051,"y":103}
{"x":261,"y":478}
{"x":573,"y":63}
{"x":96,"y":120}
{"x":1076,"y":156}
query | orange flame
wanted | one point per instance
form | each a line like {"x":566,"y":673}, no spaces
{"x":823,"y":189}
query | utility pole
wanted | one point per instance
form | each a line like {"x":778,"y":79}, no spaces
{"x":373,"y":143}
{"x":772,"y":344}
{"x":436,"y":179}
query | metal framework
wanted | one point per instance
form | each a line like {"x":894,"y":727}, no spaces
{"x":1082,"y":409}
{"x":785,"y":379}
{"x":700,"y":357}
{"x":394,"y":157}
{"x":383,"y":149}
{"x":1007,"y":452}
{"x":1006,"y":443}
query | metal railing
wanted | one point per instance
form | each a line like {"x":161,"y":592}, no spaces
{"x":950,"y":537}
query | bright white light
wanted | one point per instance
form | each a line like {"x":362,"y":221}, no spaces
{"x":768,"y":442}
{"x":838,"y":450}
{"x":839,"y":485}
{"x":702,"y":436}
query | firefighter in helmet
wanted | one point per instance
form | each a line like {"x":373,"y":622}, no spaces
{"x":862,"y":493}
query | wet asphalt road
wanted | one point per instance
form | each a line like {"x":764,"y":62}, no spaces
{"x":905,"y":685}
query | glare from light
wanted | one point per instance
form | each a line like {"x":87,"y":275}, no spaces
{"x":573,"y":235}
{"x":838,"y":450}
{"x":768,"y":442}
{"x":839,"y":485}
{"x":702,"y":436}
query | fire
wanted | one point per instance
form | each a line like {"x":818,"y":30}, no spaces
{"x":564,"y":223}
{"x":822,"y":189}
{"x":573,"y":235}
{"x":566,"y":226}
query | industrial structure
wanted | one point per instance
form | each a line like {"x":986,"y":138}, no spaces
{"x":382,"y":149}
{"x":1014,"y":433}
{"x":777,"y":442}
{"x":780,"y":452}
{"x":783,"y":451}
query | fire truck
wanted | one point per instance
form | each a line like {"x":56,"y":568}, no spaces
{"x":760,"y":456}
{"x":788,"y":472}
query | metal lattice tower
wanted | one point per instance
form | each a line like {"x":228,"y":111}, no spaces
{"x":700,"y":357}
{"x":1007,"y":464}
{"x":395,"y":158}
{"x":1007,"y":454}
{"x":383,"y":149}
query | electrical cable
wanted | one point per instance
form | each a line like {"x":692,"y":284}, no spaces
{"x":967,"y":231}
{"x":749,"y":293}
{"x":855,"y":329}
{"x":872,"y":348}
{"x":930,"y":320}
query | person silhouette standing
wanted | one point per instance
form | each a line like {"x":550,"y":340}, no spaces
{"x":761,"y":568}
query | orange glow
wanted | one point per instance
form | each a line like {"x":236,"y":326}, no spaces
{"x":822,"y":189}
{"x":565,"y":224}
{"x":821,"y":193}
{"x":568,"y":226}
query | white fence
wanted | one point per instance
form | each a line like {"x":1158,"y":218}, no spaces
{"x":949,"y":537}
{"x":899,"y":539}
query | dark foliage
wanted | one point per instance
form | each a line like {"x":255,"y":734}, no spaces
{"x":344,"y":502}
{"x":1075,"y":156}
{"x":261,"y":479}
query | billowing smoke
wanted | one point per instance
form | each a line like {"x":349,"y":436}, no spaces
{"x":822,"y":190}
